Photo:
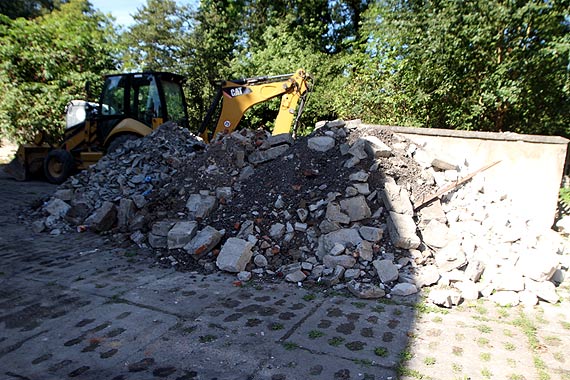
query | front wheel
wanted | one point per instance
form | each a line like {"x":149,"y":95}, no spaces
{"x":58,"y":166}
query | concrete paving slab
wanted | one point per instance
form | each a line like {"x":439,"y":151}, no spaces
{"x":95,"y":339}
{"x":182,"y":294}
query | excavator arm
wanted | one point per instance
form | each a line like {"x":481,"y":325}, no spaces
{"x":238,"y":96}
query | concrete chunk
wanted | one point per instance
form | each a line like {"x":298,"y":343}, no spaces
{"x":200,"y":206}
{"x":345,"y":236}
{"x":402,"y":229}
{"x":344,"y":261}
{"x":334,"y":214}
{"x":203,"y":242}
{"x":126,"y":212}
{"x":356,"y":208}
{"x":321,"y":143}
{"x":451,"y":257}
{"x":56,"y":207}
{"x":375,"y":147}
{"x":436,"y":234}
{"x":103,"y":218}
{"x":181,"y":234}
{"x":536,"y":265}
{"x":396,"y":198}
{"x":261,"y":156}
{"x":404,"y":289}
{"x":371,"y":234}
{"x":235,"y":255}
{"x":162,"y":227}
{"x":386,"y":270}
{"x":365,"y":291}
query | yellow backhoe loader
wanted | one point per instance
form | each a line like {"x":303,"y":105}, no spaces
{"x":133,"y":105}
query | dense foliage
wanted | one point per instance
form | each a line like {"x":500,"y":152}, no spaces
{"x":45,"y":62}
{"x":469,"y":64}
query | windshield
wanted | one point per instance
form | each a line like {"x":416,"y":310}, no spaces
{"x":113,"y":96}
{"x":174,"y":98}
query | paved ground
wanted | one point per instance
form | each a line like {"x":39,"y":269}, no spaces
{"x":74,"y":306}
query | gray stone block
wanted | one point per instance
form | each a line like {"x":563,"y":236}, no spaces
{"x":321,"y":143}
{"x":234,"y":255}
{"x":356,"y":208}
{"x":200,"y":206}
{"x":402,"y":230}
{"x":103,"y":218}
{"x":203,"y":242}
{"x":261,"y":156}
{"x":386,"y":270}
{"x":181,"y":234}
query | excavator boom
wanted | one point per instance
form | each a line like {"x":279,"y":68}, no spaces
{"x":238,"y":96}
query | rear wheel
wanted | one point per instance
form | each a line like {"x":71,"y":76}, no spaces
{"x":58,"y":166}
{"x":119,"y":141}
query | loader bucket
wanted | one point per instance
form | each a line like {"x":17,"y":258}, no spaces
{"x":16,"y":169}
{"x":28,"y":161}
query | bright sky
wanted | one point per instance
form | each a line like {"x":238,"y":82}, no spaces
{"x":123,"y":9}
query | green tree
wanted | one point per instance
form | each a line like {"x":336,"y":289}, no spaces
{"x":157,"y":37}
{"x":470,"y":64}
{"x":28,"y":8}
{"x":45,"y":62}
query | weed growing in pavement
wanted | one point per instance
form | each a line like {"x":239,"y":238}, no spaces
{"x":378,"y":309}
{"x":456,"y":368}
{"x":314,"y":334}
{"x":424,"y":308}
{"x":387,"y":301}
{"x":429,"y":361}
{"x":309,"y":297}
{"x":363,"y":362}
{"x":565,"y":325}
{"x":277,"y":326}
{"x":459,"y":337}
{"x":512,"y":363}
{"x":486,"y":373}
{"x":509,"y":346}
{"x":484,"y":329}
{"x":481,"y":309}
{"x":290,"y":346}
{"x":381,"y":351}
{"x":503,"y":312}
{"x":516,"y":377}
{"x":403,"y":371}
{"x":485,"y":356}
{"x":540,"y":317}
{"x":480,"y":318}
{"x":558,"y":356}
{"x":437,"y":319}
{"x":406,"y":356}
{"x":508,"y":333}
{"x":336,"y":341}
{"x":529,"y":329}
{"x":482,"y":341}
{"x":359,"y":305}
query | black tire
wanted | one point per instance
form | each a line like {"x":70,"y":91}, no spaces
{"x":58,"y":166}
{"x":118,"y":142}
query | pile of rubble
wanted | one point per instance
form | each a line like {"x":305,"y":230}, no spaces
{"x":334,"y":209}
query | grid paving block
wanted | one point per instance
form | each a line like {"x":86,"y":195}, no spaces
{"x":183,"y":294}
{"x":467,"y":345}
{"x":99,"y":340}
{"x":367,"y":331}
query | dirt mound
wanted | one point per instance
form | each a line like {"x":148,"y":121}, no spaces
{"x":335,"y":208}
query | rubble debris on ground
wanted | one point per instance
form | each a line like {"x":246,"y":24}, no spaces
{"x":334,"y":209}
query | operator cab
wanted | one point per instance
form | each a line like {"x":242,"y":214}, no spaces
{"x":150,"y":98}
